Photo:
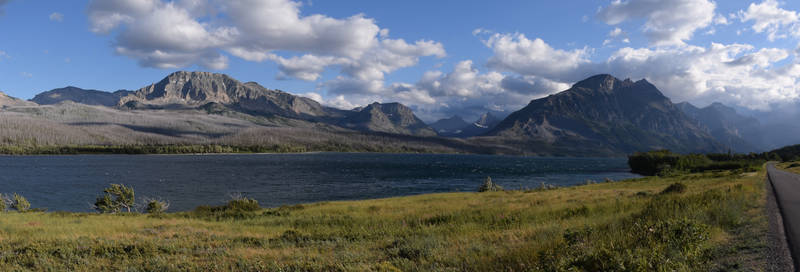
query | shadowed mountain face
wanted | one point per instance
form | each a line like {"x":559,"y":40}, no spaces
{"x":389,"y":118}
{"x":484,"y":124}
{"x":78,"y":95}
{"x":741,"y":133}
{"x":450,"y":127}
{"x":457,"y":127}
{"x":603,"y":111}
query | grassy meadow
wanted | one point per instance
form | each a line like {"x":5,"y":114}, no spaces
{"x":793,"y":167}
{"x":712,"y":221}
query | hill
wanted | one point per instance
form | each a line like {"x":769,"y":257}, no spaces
{"x":393,"y":118}
{"x":78,"y":95}
{"x":8,"y":101}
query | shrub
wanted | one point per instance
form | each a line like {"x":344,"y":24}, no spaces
{"x":155,"y":206}
{"x":489,"y":186}
{"x":243,"y":204}
{"x":20,"y":203}
{"x":675,"y":188}
{"x":237,"y":208}
{"x":4,"y":202}
{"x":115,"y":198}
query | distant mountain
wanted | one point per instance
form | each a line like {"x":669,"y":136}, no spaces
{"x":8,"y":101}
{"x":484,"y":124}
{"x":197,"y":89}
{"x":389,"y":118}
{"x":605,"y":113}
{"x":456,"y":126}
{"x":450,"y":127}
{"x":78,"y":95}
{"x":741,"y":133}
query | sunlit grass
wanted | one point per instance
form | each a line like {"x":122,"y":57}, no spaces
{"x":627,"y":225}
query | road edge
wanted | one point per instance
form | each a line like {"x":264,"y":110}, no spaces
{"x":779,"y":256}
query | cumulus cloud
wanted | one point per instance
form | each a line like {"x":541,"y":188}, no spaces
{"x":769,"y":18}
{"x":735,"y":73}
{"x":668,"y":22}
{"x":516,"y":53}
{"x":182,"y":33}
{"x":161,"y":35}
{"x":468,"y":92}
{"x":56,"y":17}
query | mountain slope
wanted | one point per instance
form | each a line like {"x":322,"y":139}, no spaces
{"x":484,"y":124}
{"x":389,"y":118}
{"x":9,"y":101}
{"x":215,"y":92}
{"x":605,"y":112}
{"x":78,"y":95}
{"x":742,"y":134}
{"x":196,"y":89}
{"x":449,"y":127}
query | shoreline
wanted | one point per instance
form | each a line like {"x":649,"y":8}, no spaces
{"x":15,"y":150}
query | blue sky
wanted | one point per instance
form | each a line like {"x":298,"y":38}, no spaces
{"x":440,"y":57}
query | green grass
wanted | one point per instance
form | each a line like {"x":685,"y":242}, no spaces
{"x":793,"y":166}
{"x":716,"y":223}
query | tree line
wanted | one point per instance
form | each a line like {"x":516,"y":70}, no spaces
{"x":667,"y":163}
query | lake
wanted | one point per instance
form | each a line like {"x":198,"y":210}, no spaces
{"x":72,"y":183}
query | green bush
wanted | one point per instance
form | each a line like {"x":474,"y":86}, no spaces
{"x":115,"y":198}
{"x":674,"y":188}
{"x":155,"y":206}
{"x":4,"y":201}
{"x":666,"y":164}
{"x":20,"y":203}
{"x":243,"y":204}
{"x":237,"y":208}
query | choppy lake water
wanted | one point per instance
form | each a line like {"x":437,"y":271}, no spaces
{"x":71,"y":183}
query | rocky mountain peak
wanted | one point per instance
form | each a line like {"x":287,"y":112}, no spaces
{"x":605,"y":111}
{"x":387,"y":117}
{"x":598,"y":82}
{"x":486,"y":120}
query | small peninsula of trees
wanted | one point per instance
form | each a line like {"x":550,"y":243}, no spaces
{"x":666,"y":163}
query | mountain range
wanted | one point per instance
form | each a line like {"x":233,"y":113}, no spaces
{"x":739,"y":133}
{"x":456,"y":126}
{"x":601,"y":115}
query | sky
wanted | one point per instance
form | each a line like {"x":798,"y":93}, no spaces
{"x":442,"y":58}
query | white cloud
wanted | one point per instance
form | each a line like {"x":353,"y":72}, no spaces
{"x":314,"y":96}
{"x":26,"y":74}
{"x":56,"y":17}
{"x":516,"y":53}
{"x":721,"y":20}
{"x":307,"y":67}
{"x":770,"y":18}
{"x":735,"y":74}
{"x":668,"y":22}
{"x":615,"y":32}
{"x":468,"y":92}
{"x":182,"y":33}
